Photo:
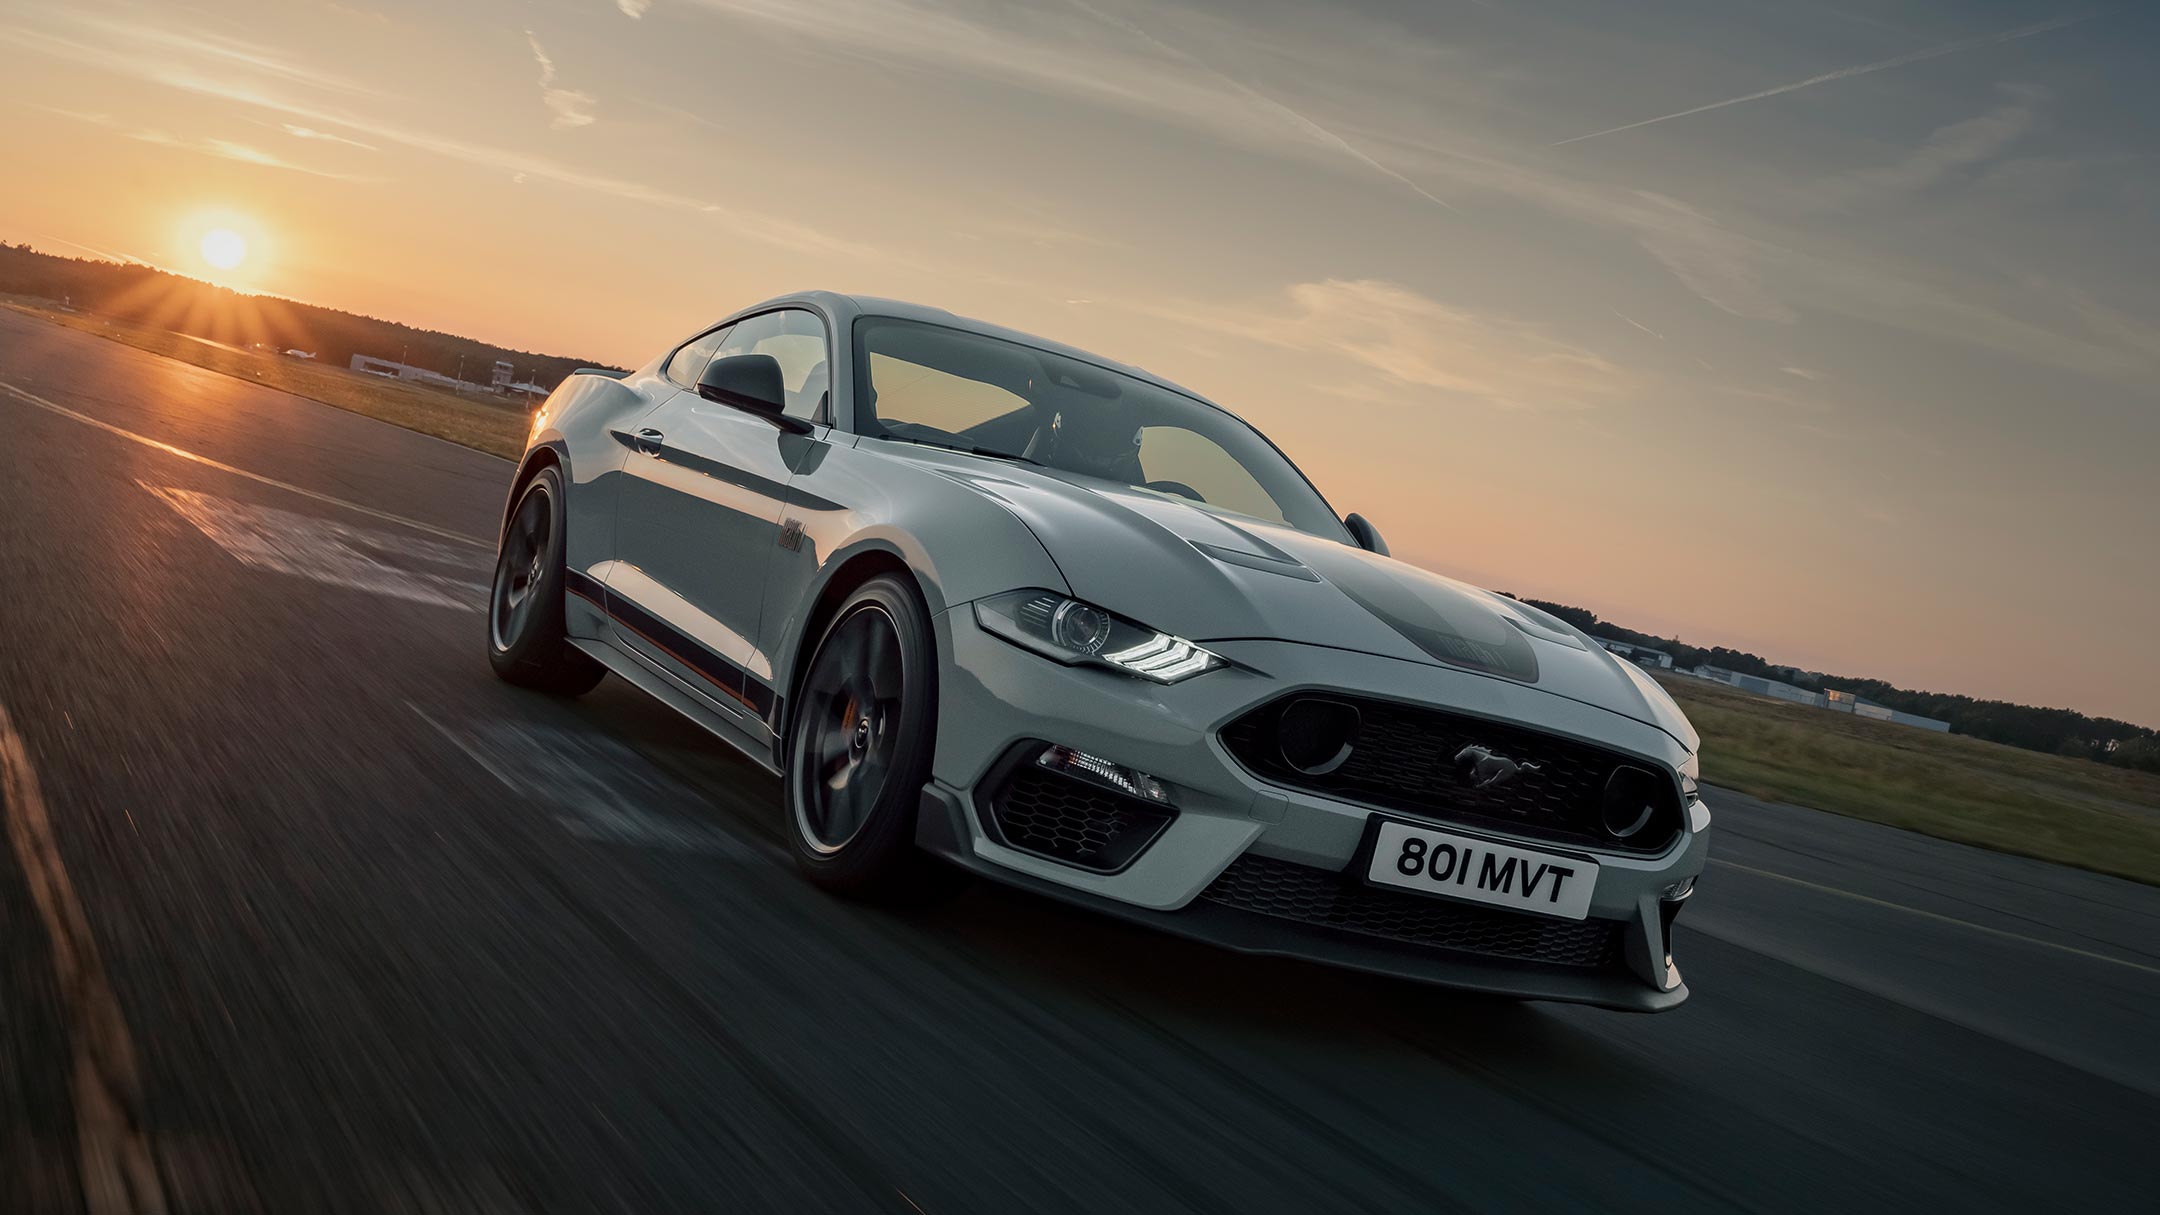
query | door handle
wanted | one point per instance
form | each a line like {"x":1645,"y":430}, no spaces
{"x":648,"y":441}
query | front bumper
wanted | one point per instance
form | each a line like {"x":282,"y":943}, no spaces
{"x":994,"y":696}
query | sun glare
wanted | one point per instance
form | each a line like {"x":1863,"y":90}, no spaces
{"x":223,"y":248}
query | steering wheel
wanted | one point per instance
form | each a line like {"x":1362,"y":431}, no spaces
{"x":1179,"y":488}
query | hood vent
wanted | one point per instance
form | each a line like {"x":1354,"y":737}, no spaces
{"x":1287,"y":566}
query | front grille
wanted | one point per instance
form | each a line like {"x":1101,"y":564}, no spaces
{"x":1404,"y":759}
{"x":1315,"y":896}
{"x":1070,"y":820}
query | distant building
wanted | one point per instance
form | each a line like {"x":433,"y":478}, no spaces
{"x":504,"y":373}
{"x":1640,"y":655}
{"x":402,"y":371}
{"x":1762,"y":687}
{"x":1860,"y":706}
{"x":1833,"y":700}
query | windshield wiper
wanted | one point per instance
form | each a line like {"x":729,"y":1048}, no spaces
{"x":966,"y":448}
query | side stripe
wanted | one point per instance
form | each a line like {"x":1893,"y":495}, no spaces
{"x":713,"y":667}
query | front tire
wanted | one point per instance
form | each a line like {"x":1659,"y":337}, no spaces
{"x":859,"y":746}
{"x":527,"y":642}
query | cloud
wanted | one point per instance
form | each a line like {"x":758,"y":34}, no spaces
{"x":1402,"y":339}
{"x":633,"y":9}
{"x":2035,"y":321}
{"x":300,"y":132}
{"x":1721,"y":266}
{"x":766,"y":229}
{"x":1296,"y":119}
{"x":206,"y":80}
{"x":108,"y":255}
{"x":1802,"y":372}
{"x":540,"y":56}
{"x":570,"y":107}
{"x":1948,"y":151}
{"x":226,"y":149}
{"x":141,"y":48}
{"x":1083,"y":53}
{"x":1846,"y":73}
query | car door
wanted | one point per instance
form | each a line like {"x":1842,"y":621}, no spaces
{"x":700,"y":512}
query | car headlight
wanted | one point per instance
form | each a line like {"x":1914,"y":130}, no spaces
{"x":1698,"y":815}
{"x":1064,"y":628}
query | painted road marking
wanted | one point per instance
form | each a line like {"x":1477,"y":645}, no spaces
{"x":307,"y":546}
{"x":601,"y":788}
{"x":119,"y":1175}
{"x":31,"y":398}
{"x":1937,"y":916}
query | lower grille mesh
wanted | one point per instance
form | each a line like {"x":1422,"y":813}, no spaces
{"x":1315,"y":896}
{"x":1071,"y":821}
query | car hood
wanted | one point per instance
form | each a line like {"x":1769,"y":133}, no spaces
{"x":1205,"y":576}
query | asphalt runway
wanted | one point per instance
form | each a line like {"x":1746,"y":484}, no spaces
{"x":304,"y":911}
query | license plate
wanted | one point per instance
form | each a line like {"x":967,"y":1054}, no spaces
{"x":1410,"y":857}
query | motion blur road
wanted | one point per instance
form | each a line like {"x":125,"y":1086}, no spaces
{"x":302,"y":910}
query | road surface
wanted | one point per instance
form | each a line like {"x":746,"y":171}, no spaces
{"x":302,"y":910}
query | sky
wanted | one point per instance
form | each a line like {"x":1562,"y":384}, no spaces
{"x":1826,"y":331}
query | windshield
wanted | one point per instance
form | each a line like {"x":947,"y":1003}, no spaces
{"x":947,"y":387}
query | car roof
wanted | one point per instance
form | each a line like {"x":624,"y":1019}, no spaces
{"x":841,"y":305}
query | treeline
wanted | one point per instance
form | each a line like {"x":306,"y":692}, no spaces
{"x":2058,"y":731}
{"x":145,"y":296}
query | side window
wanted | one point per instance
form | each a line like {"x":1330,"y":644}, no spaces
{"x":689,"y":362}
{"x":797,"y":339}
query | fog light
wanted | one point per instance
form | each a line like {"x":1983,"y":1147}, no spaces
{"x":1099,"y":771}
{"x":1317,"y":735}
{"x":1677,"y":891}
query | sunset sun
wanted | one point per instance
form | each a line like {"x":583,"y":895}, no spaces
{"x":223,"y":248}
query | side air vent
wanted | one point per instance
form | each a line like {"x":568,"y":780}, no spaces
{"x":1067,"y":819}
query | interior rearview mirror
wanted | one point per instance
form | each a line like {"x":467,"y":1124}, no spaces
{"x":1367,"y":536}
{"x":749,"y":382}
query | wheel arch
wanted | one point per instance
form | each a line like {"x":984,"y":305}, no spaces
{"x":867,"y":560}
{"x":551,"y":453}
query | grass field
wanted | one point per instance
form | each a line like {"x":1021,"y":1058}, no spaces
{"x":2073,"y":811}
{"x":492,"y":426}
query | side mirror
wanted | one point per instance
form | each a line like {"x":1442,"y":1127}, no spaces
{"x":749,"y":382}
{"x":1367,"y":536}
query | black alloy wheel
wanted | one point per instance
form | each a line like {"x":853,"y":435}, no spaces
{"x":527,"y":644}
{"x":859,"y":745}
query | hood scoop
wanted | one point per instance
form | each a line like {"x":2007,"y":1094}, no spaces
{"x":1285,"y":564}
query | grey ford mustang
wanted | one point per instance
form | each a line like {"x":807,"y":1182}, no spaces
{"x":985,"y":599}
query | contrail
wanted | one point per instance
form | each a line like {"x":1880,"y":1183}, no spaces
{"x":1261,"y":99}
{"x":123,"y":258}
{"x":1933,"y":52}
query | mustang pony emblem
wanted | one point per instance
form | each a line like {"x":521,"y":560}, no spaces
{"x":1485,"y":770}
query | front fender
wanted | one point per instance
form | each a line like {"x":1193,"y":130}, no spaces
{"x":576,"y":424}
{"x":880,"y":512}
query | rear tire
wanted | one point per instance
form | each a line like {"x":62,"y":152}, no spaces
{"x":859,"y":747}
{"x":527,"y":643}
